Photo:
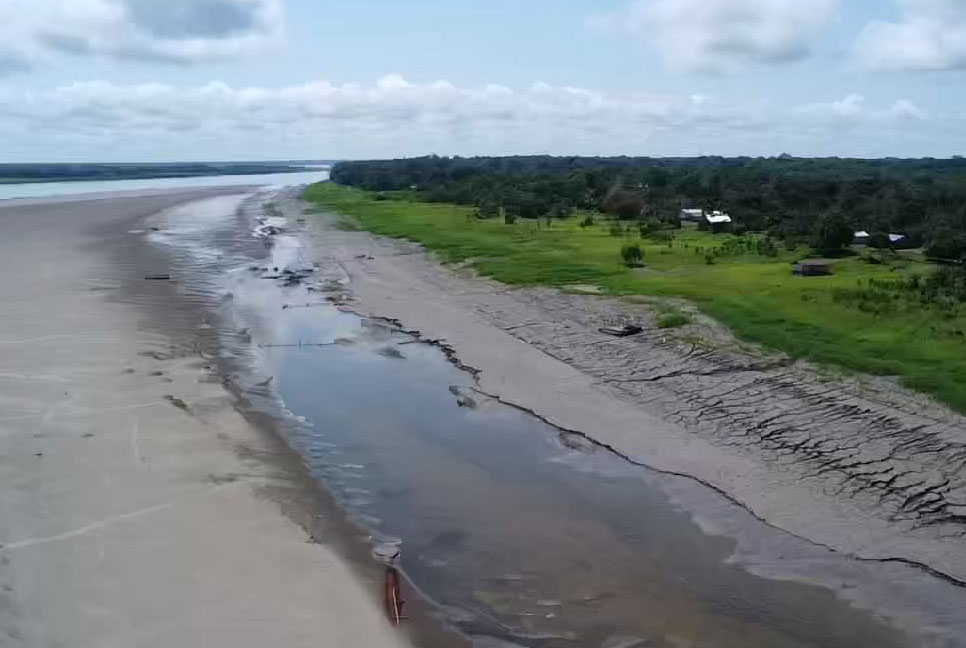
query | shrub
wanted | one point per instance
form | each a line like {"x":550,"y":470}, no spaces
{"x":673,"y":320}
{"x":766,"y":247}
{"x":662,"y":236}
{"x":879,"y":241}
{"x":588,"y":221}
{"x":489,"y":208}
{"x":632,"y":255}
{"x":649,"y":226}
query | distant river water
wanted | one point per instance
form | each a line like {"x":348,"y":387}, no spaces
{"x":52,"y":189}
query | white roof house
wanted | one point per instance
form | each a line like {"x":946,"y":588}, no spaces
{"x":863,"y":237}
{"x":717,"y":218}
{"x":698,"y":215}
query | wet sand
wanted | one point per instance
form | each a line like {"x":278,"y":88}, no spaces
{"x":137,"y":507}
{"x":859,"y":466}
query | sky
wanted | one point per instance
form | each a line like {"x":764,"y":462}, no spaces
{"x":168,"y":80}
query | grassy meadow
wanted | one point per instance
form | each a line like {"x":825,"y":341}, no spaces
{"x":829,"y":320}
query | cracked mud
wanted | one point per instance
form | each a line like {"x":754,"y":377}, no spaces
{"x":888,"y":462}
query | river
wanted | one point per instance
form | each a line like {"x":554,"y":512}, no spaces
{"x":520,"y":534}
{"x":57,"y":189}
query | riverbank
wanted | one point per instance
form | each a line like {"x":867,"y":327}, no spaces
{"x":745,"y":282}
{"x":138,"y":506}
{"x":862,"y":466}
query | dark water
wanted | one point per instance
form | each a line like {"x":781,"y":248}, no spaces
{"x":522,"y":534}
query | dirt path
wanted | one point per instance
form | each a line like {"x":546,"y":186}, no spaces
{"x":859,"y":465}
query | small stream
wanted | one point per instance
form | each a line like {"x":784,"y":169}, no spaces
{"x":523,"y":535}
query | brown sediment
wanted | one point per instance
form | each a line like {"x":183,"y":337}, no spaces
{"x":856,"y":464}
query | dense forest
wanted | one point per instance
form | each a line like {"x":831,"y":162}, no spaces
{"x":790,"y":198}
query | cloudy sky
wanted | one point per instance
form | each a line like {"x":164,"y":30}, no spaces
{"x":272,"y":79}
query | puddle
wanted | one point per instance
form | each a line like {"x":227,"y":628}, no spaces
{"x":521,"y":534}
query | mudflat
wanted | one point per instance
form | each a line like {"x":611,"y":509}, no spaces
{"x":861,"y":466}
{"x":134,"y":506}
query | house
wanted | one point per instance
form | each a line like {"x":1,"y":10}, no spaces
{"x":692,"y":215}
{"x":717,"y":218}
{"x":715,"y":221}
{"x":862,"y":238}
{"x":812,"y":268}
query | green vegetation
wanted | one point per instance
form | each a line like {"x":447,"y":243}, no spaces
{"x":673,"y":319}
{"x":632,"y":255}
{"x":795,"y":200}
{"x":748,"y":284}
{"x":832,"y":233}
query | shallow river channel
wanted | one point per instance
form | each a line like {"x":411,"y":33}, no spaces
{"x":519,"y":533}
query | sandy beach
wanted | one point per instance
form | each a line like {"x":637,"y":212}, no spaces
{"x":863,"y":467}
{"x":138,"y":507}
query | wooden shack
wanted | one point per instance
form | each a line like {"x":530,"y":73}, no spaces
{"x":813,"y":268}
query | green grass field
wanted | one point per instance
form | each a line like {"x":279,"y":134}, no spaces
{"x":757,"y":296}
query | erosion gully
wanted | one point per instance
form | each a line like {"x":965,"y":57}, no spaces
{"x":517,"y":533}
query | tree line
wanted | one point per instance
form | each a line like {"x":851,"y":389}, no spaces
{"x":822,"y":200}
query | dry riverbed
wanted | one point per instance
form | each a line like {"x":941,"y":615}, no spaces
{"x":856,"y":464}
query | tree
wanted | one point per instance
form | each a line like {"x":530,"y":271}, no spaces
{"x":879,"y":241}
{"x":632,"y":255}
{"x":947,"y":244}
{"x":489,"y":208}
{"x":560,"y":209}
{"x":787,"y":197}
{"x":832,"y":232}
{"x":626,"y":205}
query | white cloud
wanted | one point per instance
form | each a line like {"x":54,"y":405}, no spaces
{"x":392,"y":117}
{"x":180,"y":31}
{"x":904,"y":109}
{"x":931,"y":35}
{"x":723,"y":35}
{"x":852,"y":110}
{"x":850,"y":107}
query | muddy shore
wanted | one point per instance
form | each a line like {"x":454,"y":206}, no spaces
{"x":854,"y":464}
{"x":154,"y":473}
{"x":138,"y":506}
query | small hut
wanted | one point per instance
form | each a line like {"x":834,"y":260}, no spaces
{"x":813,"y":268}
